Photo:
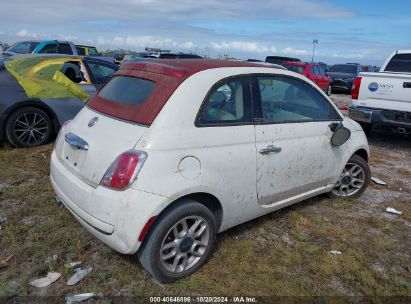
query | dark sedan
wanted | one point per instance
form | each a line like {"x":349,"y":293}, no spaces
{"x":343,"y":76}
{"x":39,"y":93}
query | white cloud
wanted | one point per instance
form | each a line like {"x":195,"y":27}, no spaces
{"x":24,"y":33}
{"x":292,"y":51}
{"x":348,"y":55}
{"x":140,"y":42}
{"x":242,"y":46}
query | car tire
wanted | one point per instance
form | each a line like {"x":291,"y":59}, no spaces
{"x":353,"y":180}
{"x":28,"y":127}
{"x":329,"y":90}
{"x":169,"y":253}
{"x":367,"y":127}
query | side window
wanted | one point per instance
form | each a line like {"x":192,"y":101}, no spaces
{"x":313,"y":70}
{"x":228,"y":103}
{"x":320,"y":70}
{"x":81,"y":51}
{"x":49,"y":49}
{"x":285,"y":99}
{"x":101,"y":72}
{"x":92,"y":52}
{"x":65,"y":48}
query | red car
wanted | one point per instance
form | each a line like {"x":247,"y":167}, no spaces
{"x":313,"y":71}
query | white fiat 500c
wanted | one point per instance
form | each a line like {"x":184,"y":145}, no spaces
{"x":171,"y":152}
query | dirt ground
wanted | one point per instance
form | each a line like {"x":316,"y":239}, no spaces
{"x":286,"y":253}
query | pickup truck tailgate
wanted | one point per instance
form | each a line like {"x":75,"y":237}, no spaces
{"x":391,"y":91}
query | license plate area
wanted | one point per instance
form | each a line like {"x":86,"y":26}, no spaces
{"x":73,"y":156}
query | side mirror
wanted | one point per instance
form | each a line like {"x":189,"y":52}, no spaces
{"x":340,"y":136}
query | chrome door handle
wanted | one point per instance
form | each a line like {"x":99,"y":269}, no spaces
{"x":270,"y":149}
{"x":76,"y":141}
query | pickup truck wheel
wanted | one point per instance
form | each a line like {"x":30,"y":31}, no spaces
{"x":366,"y":127}
{"x":180,"y":243}
{"x":28,"y":127}
{"x":353,"y":180}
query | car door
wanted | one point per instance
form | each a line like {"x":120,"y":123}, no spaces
{"x":293,"y":132}
{"x":313,"y":75}
{"x":226,"y":147}
{"x":323,"y":81}
{"x":320,"y":81}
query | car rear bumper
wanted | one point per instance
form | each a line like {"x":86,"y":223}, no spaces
{"x":341,"y":85}
{"x":380,"y":116}
{"x":126,"y":212}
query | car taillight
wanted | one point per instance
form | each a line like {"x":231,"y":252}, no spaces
{"x":63,"y":127}
{"x":124,"y":170}
{"x":355,"y":91}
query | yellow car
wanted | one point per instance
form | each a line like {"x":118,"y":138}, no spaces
{"x":84,"y":50}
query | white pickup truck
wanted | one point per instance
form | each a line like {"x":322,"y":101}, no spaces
{"x":384,"y":98}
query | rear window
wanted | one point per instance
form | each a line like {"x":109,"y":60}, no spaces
{"x":134,"y":95}
{"x":295,"y":68}
{"x":127,"y":90}
{"x":344,"y":68}
{"x":399,"y":63}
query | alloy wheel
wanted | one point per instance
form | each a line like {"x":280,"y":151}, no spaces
{"x":30,"y":128}
{"x":351,"y":180}
{"x":184,"y":244}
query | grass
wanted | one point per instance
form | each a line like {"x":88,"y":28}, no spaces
{"x":286,"y":253}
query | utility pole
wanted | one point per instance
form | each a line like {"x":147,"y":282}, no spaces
{"x":315,"y":41}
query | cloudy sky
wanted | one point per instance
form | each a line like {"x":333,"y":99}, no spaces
{"x":364,"y":31}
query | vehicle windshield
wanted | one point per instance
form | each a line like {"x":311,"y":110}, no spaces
{"x":399,"y":63}
{"x":25,"y":47}
{"x":295,"y":68}
{"x":344,"y":68}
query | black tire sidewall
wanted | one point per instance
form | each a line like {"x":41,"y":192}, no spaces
{"x":152,"y":246}
{"x":13,"y":140}
{"x":329,"y":90}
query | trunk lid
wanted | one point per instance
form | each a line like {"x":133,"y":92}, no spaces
{"x":88,"y":149}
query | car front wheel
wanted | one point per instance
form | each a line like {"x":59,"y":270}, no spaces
{"x":353,"y":180}
{"x":180,"y":242}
